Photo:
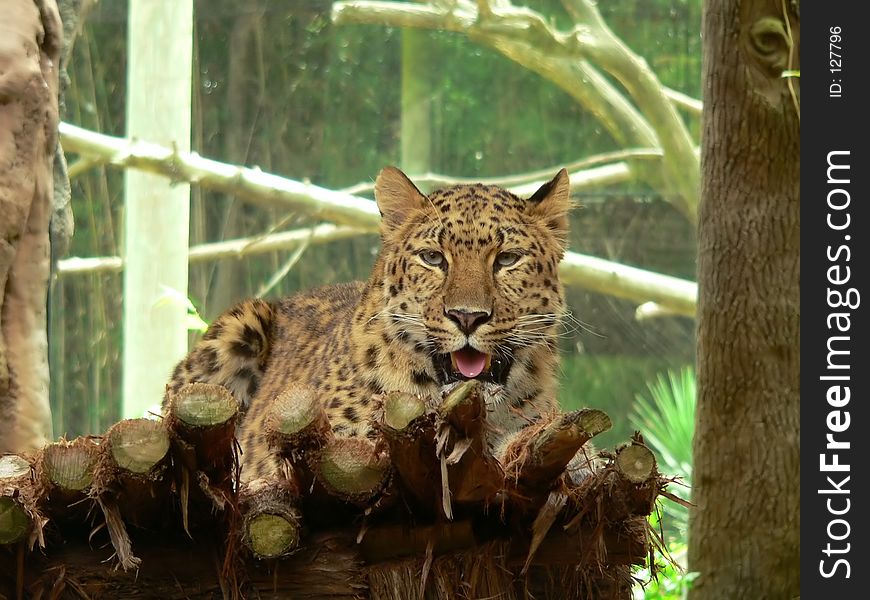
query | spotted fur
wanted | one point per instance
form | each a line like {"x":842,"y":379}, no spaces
{"x":352,"y":342}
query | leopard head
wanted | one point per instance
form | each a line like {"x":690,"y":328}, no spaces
{"x":469,"y":274}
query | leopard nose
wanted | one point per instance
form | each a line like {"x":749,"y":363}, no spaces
{"x":467,"y":321}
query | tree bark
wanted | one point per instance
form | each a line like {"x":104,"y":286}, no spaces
{"x":29,"y":56}
{"x":744,"y":533}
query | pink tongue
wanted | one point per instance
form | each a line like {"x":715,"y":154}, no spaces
{"x":470,"y":362}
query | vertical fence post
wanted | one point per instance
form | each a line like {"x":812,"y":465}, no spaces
{"x":157,"y":211}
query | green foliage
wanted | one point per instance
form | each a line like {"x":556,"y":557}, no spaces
{"x":666,"y":418}
{"x":667,"y":422}
{"x":607,"y":382}
{"x":670,"y":582}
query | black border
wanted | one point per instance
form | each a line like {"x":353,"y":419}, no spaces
{"x":833,"y":124}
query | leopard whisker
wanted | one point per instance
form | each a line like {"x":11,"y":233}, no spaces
{"x":579,"y":325}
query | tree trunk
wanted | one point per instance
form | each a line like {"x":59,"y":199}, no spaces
{"x":416,"y":133}
{"x":744,"y":533}
{"x":29,"y":56}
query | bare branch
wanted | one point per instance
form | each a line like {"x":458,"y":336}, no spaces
{"x":651,"y":310}
{"x":524,"y":36}
{"x":238,"y":248}
{"x":684,"y":101}
{"x":651,"y":97}
{"x":76,"y":265}
{"x":614,"y":279}
{"x":360,"y":213}
{"x":281,"y":273}
{"x":589,"y":173}
{"x":578,"y":78}
{"x":252,"y":185}
{"x":674,"y":296}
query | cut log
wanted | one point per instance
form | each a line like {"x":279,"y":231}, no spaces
{"x":538,"y":456}
{"x":203,"y":405}
{"x":409,"y":431}
{"x":297,"y":428}
{"x":270,"y":536}
{"x":271,"y":526}
{"x":130,"y":482}
{"x":296,"y":424}
{"x":202,"y":419}
{"x":441,"y":454}
{"x":12,"y":469}
{"x":65,"y":472}
{"x":631,"y":482}
{"x":636,"y":462}
{"x":14,"y":522}
{"x":69,"y":466}
{"x":638,"y":479}
{"x":463,"y":395}
{"x":401,"y":409}
{"x":353,"y":469}
{"x":469,"y":472}
{"x":137,"y":448}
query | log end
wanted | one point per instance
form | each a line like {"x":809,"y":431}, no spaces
{"x":271,"y":535}
{"x":352,"y":468}
{"x":459,"y":396}
{"x":636,"y":462}
{"x":296,"y":410}
{"x":400,"y":409}
{"x":593,"y":421}
{"x":138,"y":445}
{"x":272,"y":524}
{"x":70,"y":465}
{"x":203,"y":405}
{"x":563,"y":436}
{"x":12,"y":467}
{"x":539,"y":455}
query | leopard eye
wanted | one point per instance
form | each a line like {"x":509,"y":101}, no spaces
{"x":507,"y":259}
{"x":432,"y":258}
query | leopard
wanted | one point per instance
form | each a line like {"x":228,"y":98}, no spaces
{"x":465,"y":286}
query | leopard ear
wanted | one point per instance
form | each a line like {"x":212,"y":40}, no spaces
{"x":551,"y":203}
{"x":397,"y":197}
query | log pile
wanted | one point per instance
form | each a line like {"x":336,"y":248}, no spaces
{"x":156,"y":508}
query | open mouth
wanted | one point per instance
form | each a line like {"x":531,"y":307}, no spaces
{"x":468,"y":363}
